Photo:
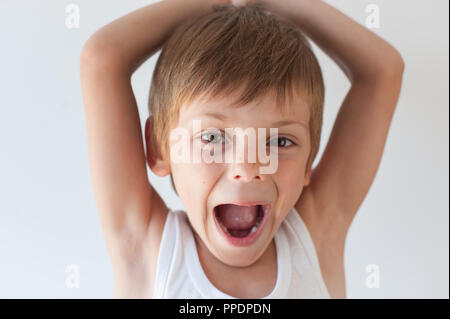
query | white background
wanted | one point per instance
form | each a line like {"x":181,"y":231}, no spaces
{"x":48,"y":216}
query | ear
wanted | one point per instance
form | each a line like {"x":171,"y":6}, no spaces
{"x":308,"y":177}
{"x":158,"y":166}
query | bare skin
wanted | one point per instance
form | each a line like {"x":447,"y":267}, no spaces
{"x":327,"y":198}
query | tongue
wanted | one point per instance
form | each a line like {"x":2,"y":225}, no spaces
{"x":237,"y":217}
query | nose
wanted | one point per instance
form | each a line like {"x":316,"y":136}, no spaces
{"x":245,"y":168}
{"x":245,"y":172}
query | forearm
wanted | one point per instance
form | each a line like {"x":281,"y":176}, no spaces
{"x":133,"y":38}
{"x":359,"y":52}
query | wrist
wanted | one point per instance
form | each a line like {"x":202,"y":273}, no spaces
{"x":288,"y":9}
{"x":197,"y":7}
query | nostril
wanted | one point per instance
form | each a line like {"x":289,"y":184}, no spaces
{"x":239,"y":177}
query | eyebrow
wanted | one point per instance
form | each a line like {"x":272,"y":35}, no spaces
{"x":281,"y":123}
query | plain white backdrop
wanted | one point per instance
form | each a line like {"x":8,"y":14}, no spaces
{"x":48,"y":217}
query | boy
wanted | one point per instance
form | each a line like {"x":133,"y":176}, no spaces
{"x":245,"y":234}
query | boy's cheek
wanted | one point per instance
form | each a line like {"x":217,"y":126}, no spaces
{"x":196,"y":176}
{"x":289,"y":175}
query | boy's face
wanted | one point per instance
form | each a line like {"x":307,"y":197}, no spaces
{"x":203,"y":186}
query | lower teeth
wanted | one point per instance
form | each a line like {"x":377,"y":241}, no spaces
{"x":253,"y":229}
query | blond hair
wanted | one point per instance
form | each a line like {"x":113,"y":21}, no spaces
{"x":226,"y":49}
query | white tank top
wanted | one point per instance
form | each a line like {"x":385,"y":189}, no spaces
{"x":179,"y":273}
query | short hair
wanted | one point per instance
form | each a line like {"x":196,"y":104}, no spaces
{"x":226,"y":49}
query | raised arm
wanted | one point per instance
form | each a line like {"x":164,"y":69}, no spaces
{"x":126,"y":202}
{"x":352,"y":156}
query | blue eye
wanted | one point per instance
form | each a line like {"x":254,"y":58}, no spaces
{"x":212,"y":137}
{"x":284,"y":141}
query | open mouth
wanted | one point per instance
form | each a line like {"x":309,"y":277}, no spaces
{"x":241,"y":223}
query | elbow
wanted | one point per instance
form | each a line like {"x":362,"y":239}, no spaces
{"x":91,"y":51}
{"x":392,"y":67}
{"x":389,"y":69}
{"x":97,"y":54}
{"x":397,"y":64}
{"x":401,"y":62}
